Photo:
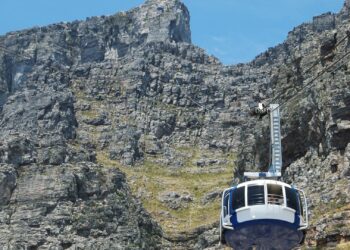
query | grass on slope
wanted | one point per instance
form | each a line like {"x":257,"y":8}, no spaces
{"x":149,"y":180}
{"x":343,"y":246}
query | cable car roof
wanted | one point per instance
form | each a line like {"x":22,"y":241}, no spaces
{"x":262,"y":182}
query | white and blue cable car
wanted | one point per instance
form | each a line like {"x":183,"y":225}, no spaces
{"x":264,"y":213}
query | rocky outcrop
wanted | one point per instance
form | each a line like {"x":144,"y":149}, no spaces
{"x":174,"y":200}
{"x":133,"y":87}
{"x":81,"y":206}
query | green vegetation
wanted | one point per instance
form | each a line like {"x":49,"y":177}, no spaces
{"x":324,"y":210}
{"x":92,"y":113}
{"x":149,"y":180}
{"x":309,"y":248}
{"x":343,"y":246}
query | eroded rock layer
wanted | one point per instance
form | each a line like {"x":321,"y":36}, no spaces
{"x":78,"y":98}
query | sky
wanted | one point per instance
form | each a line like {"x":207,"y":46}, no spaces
{"x":235,"y":31}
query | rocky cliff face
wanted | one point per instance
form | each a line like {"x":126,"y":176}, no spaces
{"x":129,"y":91}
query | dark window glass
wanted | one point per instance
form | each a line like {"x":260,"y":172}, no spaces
{"x":292,"y":199}
{"x":301,"y":205}
{"x":256,"y":195}
{"x":238,"y":198}
{"x":274,"y":194}
{"x":226,"y":198}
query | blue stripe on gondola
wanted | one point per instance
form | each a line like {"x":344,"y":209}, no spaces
{"x":262,"y":174}
{"x":232,"y":211}
{"x":234,"y":220}
{"x":296,"y":220}
{"x":298,"y":212}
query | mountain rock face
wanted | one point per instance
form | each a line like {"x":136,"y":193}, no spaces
{"x":132,"y":87}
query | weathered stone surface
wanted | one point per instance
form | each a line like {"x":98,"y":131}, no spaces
{"x":65,"y":206}
{"x":212,"y":196}
{"x":132,"y":85}
{"x":174,"y":200}
{"x":7,"y":184}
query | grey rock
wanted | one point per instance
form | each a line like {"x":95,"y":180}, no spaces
{"x":174,"y":200}
{"x":209,"y":197}
{"x":7,"y":184}
{"x":101,"y":120}
{"x":157,"y":97}
{"x":201,"y":162}
{"x":73,"y":205}
{"x":17,"y":150}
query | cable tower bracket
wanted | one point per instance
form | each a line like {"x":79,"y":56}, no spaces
{"x":275,"y":168}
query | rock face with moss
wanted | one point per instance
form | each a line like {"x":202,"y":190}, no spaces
{"x":80,"y":100}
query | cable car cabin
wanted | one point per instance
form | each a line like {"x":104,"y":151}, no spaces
{"x":265,"y":214}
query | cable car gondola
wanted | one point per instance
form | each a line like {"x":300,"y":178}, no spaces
{"x":264,"y":213}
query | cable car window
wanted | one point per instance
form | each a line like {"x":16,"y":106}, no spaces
{"x":301,"y":204}
{"x":226,"y":199}
{"x":274,"y":194}
{"x":238,"y":198}
{"x":256,"y":195}
{"x":292,"y":199}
